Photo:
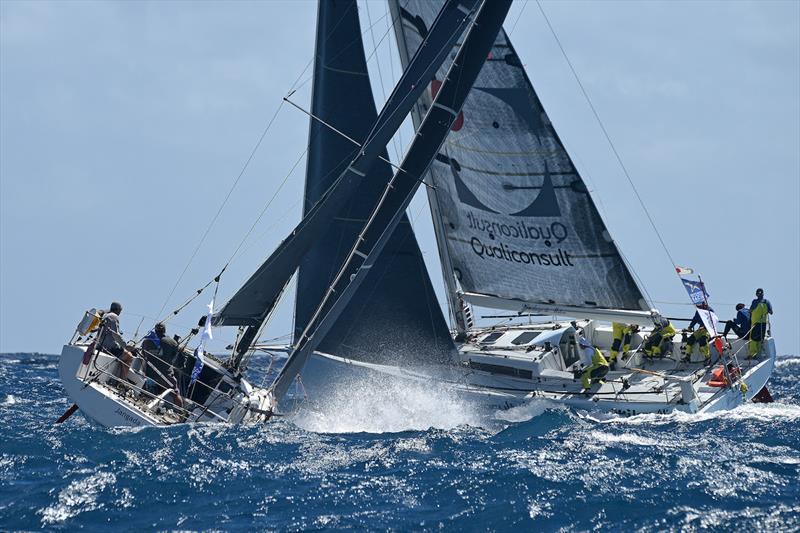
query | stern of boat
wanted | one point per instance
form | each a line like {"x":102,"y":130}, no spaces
{"x":94,"y":400}
{"x":754,"y":376}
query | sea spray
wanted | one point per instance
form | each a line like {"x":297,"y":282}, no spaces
{"x":381,"y":404}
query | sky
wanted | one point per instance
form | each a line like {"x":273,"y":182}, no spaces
{"x":123,"y":125}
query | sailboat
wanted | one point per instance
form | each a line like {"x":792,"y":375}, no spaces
{"x":516,"y":230}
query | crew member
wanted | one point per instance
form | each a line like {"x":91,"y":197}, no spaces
{"x":161,"y":353}
{"x":698,"y":336}
{"x":112,"y":341}
{"x":596,"y":365}
{"x":658,"y":342}
{"x":622,"y":339}
{"x":741,"y":324}
{"x":759,"y":310}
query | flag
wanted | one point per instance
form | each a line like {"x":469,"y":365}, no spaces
{"x":697,"y":290}
{"x":709,"y":319}
{"x":200,"y":350}
{"x":198,"y":364}
{"x":152,"y":337}
{"x":683,"y":270}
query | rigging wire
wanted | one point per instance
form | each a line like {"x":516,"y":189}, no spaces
{"x":268,"y":204}
{"x":519,"y":15}
{"x":398,"y":139}
{"x":221,"y":207}
{"x":294,"y":87}
{"x":345,"y":49}
{"x":607,"y":135}
{"x":380,"y":70}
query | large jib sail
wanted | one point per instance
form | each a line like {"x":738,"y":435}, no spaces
{"x":389,"y":210}
{"x":395,"y":315}
{"x":252,"y":304}
{"x":517,"y":220}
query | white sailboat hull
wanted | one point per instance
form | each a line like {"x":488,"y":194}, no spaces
{"x":90,"y":387}
{"x":325,"y":373}
{"x":96,"y":401}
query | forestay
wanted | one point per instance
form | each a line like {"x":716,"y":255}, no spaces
{"x":389,"y":209}
{"x":394,"y":316}
{"x":517,"y":220}
{"x":341,"y":67}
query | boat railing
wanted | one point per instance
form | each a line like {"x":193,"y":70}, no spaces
{"x":106,"y":370}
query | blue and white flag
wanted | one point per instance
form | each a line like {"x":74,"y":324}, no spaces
{"x":697,"y":290}
{"x":200,"y":350}
{"x":152,"y":337}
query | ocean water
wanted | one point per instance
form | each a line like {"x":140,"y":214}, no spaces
{"x":403,"y":459}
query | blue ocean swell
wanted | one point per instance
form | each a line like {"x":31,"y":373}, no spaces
{"x":538,"y":467}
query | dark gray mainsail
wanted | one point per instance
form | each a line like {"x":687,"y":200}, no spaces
{"x":515,"y":221}
{"x":388,"y":212}
{"x":395,"y":315}
{"x":341,"y":78}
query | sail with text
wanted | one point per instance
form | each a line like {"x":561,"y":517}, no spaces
{"x":390,"y":207}
{"x":519,"y":227}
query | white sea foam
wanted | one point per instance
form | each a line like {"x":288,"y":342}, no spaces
{"x":386,"y":405}
{"x":788,"y":361}
{"x":10,"y":400}
{"x":79,"y":496}
{"x":625,"y":438}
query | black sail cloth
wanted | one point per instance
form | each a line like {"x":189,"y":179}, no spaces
{"x":389,"y":210}
{"x":517,"y":220}
{"x":399,"y":298}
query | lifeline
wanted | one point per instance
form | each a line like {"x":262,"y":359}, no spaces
{"x":502,"y":251}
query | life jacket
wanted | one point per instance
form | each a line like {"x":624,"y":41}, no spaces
{"x":718,"y":378}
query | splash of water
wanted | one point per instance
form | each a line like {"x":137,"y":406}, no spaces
{"x":387,"y":405}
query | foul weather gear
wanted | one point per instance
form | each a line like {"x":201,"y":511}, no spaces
{"x":759,"y":310}
{"x":740,"y":325}
{"x":622,"y":339}
{"x":659,"y":341}
{"x":701,"y":337}
{"x":595,"y":372}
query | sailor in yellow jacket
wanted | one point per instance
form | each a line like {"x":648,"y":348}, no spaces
{"x":759,"y":310}
{"x":596,"y":366}
{"x":622,"y":334}
{"x":659,"y":342}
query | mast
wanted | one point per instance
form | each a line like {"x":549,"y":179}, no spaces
{"x":398,"y":192}
{"x":454,"y":302}
{"x":253,"y":303}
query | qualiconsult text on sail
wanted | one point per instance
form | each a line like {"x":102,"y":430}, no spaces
{"x":556,"y":258}
{"x":555,"y":231}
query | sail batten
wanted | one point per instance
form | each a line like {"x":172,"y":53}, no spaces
{"x":516,"y":219}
